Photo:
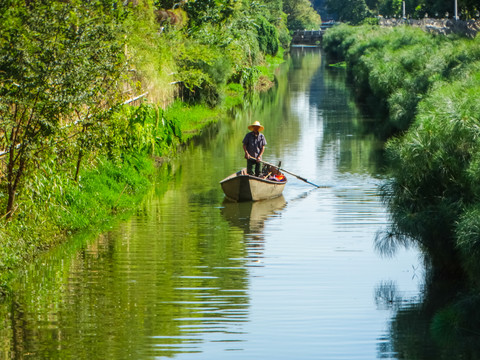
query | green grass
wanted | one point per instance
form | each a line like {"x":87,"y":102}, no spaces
{"x":191,"y":118}
{"x":394,"y":68}
{"x":341,"y":64}
{"x":234,"y":94}
{"x":109,"y":189}
{"x":104,"y":194}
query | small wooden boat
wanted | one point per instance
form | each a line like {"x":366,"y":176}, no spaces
{"x":242,"y":187}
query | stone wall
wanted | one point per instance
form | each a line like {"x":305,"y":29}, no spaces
{"x":439,"y":26}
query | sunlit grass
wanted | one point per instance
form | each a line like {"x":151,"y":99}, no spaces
{"x":191,"y":118}
{"x":103,"y":195}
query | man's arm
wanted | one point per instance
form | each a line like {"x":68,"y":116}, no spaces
{"x":247,"y":155}
{"x":261,"y":153}
{"x":262,"y":149}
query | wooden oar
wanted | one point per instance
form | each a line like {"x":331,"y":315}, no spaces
{"x":288,"y":172}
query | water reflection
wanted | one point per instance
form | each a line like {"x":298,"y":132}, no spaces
{"x":444,"y":322}
{"x":190,"y":276}
{"x":388,"y":241}
{"x":123,"y":297}
{"x":251,"y":215}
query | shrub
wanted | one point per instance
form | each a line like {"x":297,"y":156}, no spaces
{"x":267,"y":36}
{"x":436,"y":167}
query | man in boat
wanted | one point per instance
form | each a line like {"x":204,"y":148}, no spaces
{"x":254,"y":146}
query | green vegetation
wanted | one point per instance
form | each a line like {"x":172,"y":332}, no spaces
{"x":351,"y":11}
{"x":72,"y":155}
{"x":69,"y":206}
{"x":191,"y":119}
{"x":52,"y":70}
{"x":428,"y":89}
{"x":398,"y":66}
{"x":300,"y":15}
{"x":356,"y":11}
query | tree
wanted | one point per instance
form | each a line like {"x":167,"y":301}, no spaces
{"x":321,"y":7}
{"x":390,"y":8}
{"x":214,"y":12}
{"x":301,"y":15}
{"x":58,"y":65}
{"x":420,"y":8}
{"x":267,"y":36}
{"x":352,"y":11}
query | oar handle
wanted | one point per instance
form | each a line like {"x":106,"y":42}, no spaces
{"x":288,"y":172}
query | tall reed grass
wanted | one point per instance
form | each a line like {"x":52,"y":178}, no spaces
{"x":397,"y":67}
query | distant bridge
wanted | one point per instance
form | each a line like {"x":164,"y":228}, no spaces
{"x":311,"y":37}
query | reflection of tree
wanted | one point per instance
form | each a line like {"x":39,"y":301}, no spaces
{"x":388,"y":241}
{"x":446,"y":323}
{"x":359,"y":151}
{"x":327,"y":94}
{"x":432,"y":328}
{"x":386,"y":296}
{"x":156,"y":282}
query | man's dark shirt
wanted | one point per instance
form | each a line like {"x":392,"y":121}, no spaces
{"x":254,"y":143}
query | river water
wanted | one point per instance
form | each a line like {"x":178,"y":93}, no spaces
{"x":192,"y":276}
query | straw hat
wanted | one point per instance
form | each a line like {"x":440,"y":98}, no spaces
{"x":256,"y":123}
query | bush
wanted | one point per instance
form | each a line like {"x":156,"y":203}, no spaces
{"x":435,"y":169}
{"x":267,"y":37}
{"x":397,"y":66}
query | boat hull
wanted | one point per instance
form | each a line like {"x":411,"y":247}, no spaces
{"x":241,"y":187}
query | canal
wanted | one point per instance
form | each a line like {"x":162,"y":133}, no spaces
{"x":192,"y":276}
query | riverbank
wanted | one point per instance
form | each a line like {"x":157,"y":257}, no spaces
{"x":111,"y":184}
{"x":424,"y":90}
{"x":109,"y":189}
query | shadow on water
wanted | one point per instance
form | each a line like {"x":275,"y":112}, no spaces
{"x":251,"y":215}
{"x":437,"y":326}
{"x":442,"y":324}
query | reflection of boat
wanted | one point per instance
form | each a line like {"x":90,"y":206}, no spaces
{"x":250,"y":215}
{"x":242,"y":187}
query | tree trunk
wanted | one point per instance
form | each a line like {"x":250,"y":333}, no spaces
{"x":13,"y":179}
{"x":11,"y":201}
{"x":80,"y":155}
{"x":79,"y":160}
